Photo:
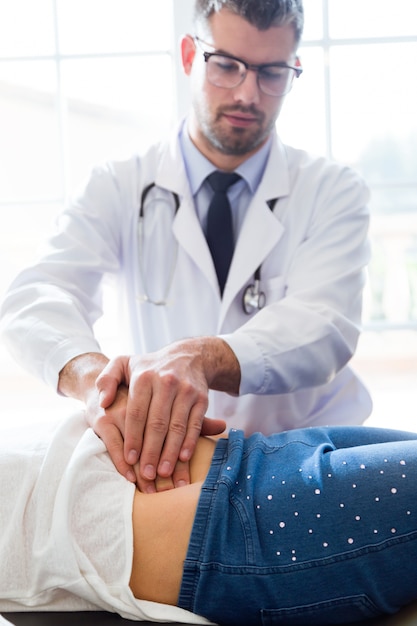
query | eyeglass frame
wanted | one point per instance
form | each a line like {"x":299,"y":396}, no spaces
{"x":248,"y":66}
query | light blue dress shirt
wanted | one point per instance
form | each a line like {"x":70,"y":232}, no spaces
{"x":240,"y":194}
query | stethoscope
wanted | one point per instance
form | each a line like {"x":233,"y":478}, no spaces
{"x":253,"y":298}
{"x":146,"y":297}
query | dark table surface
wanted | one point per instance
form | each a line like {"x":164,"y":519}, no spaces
{"x":406,"y":617}
{"x":91,"y":618}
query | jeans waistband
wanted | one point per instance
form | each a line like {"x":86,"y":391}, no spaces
{"x":201,"y":521}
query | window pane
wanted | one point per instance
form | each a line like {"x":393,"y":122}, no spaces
{"x":385,"y":200}
{"x":372,"y":18}
{"x":108,"y":114}
{"x":100,"y":26}
{"x":29,"y":146}
{"x":302,"y":122}
{"x":374,"y":106}
{"x":26,"y":28}
{"x":313,"y":20}
{"x":390,"y":160}
{"x":23,"y":228}
{"x":392,"y":285}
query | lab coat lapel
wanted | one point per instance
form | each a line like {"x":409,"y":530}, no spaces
{"x":171,"y":175}
{"x":261,"y":228}
{"x":190,"y":236}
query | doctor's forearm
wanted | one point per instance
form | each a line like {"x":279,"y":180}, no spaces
{"x":78,"y":377}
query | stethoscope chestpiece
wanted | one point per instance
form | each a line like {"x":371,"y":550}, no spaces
{"x":253,"y":298}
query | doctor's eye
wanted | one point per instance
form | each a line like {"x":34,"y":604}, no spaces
{"x":225,"y":65}
{"x":274,"y":73}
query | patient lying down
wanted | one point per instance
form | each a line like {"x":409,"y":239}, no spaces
{"x":329,"y":511}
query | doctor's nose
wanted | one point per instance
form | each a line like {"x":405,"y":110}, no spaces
{"x":248,"y":92}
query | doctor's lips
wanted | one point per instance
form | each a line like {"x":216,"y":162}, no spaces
{"x":241,"y":118}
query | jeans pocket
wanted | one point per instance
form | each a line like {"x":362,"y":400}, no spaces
{"x":335,"y":611}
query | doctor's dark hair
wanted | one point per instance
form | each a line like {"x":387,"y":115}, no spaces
{"x":260,"y":13}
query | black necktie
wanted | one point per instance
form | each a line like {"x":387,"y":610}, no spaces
{"x":219,"y":224}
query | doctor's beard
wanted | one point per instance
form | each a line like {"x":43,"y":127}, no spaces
{"x":234,"y":141}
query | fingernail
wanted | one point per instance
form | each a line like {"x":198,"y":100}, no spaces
{"x":165,"y":468}
{"x":185,"y":454}
{"x":181,"y":483}
{"x":149,"y":472}
{"x":132,"y":457}
{"x":150,"y":489}
{"x":130,"y":475}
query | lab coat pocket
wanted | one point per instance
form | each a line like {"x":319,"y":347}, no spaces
{"x":274,"y":288}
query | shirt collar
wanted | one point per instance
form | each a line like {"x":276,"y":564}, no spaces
{"x":250,"y":170}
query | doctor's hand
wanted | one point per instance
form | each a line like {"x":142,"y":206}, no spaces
{"x":109,"y":425}
{"x":166,"y":403}
{"x":77,"y":379}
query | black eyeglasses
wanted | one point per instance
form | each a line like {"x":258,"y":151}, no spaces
{"x":225,"y":70}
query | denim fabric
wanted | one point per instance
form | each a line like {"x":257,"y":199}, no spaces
{"x":311,"y":526}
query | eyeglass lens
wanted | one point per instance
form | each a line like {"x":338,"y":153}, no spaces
{"x":223,"y":71}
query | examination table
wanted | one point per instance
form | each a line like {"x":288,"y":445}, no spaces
{"x":406,"y":617}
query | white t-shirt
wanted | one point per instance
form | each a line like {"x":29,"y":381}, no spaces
{"x":66,"y":538}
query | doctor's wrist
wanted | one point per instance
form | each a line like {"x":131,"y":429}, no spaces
{"x":221,"y":365}
{"x":78,"y":377}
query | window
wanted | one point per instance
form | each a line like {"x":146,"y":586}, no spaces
{"x":89,"y":80}
{"x":75,"y":79}
{"x":356,"y":101}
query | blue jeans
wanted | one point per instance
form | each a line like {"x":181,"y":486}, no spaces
{"x":311,"y":526}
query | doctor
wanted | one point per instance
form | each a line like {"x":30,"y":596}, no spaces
{"x":270,"y":351}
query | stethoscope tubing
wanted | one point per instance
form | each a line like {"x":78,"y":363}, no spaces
{"x":253,"y":297}
{"x":145,"y":194}
{"x":146,"y":298}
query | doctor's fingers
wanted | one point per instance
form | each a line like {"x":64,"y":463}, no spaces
{"x":112,"y":438}
{"x":108,"y":424}
{"x":181,"y":439}
{"x":172,"y":430}
{"x":114,"y":374}
{"x":139,"y":400}
{"x":179,"y":478}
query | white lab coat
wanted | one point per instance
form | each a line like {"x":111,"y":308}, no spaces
{"x":313,"y":249}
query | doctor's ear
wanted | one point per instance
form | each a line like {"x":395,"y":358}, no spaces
{"x":188,"y":51}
